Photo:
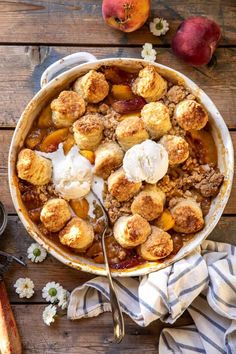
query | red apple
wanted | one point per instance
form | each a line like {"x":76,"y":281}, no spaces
{"x":126,"y":15}
{"x":196,"y":40}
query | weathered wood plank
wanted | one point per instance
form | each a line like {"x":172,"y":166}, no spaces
{"x":21,"y":68}
{"x":85,"y":336}
{"x":5,"y":139}
{"x":16,"y":240}
{"x":81,"y":22}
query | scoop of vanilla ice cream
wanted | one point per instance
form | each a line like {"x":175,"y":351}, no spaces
{"x":147,"y":162}
{"x":72,"y":173}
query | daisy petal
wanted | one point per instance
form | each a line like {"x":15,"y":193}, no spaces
{"x":159,"y":26}
{"x":49,"y":314}
{"x":148,"y":53}
{"x":24,"y":287}
{"x":36,"y":253}
{"x":51,"y":291}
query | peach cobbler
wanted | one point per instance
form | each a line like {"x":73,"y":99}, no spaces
{"x":143,"y":144}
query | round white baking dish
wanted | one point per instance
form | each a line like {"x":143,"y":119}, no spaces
{"x":51,"y":86}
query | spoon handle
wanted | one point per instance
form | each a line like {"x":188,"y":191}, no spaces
{"x":118,"y":320}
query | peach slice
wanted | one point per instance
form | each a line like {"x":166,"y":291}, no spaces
{"x":95,"y":252}
{"x":128,"y":115}
{"x":51,"y":141}
{"x":68,"y":143}
{"x":165,"y":221}
{"x":80,"y":207}
{"x":203,"y":146}
{"x":35,"y":214}
{"x":89,"y":155}
{"x":34,"y":138}
{"x":122,"y":92}
{"x":114,"y":250}
{"x":45,"y":118}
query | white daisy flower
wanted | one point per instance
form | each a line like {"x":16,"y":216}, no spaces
{"x":51,"y":291}
{"x":159,"y":26}
{"x":36,"y":253}
{"x":63,"y":298}
{"x":24,"y":287}
{"x":49,"y":314}
{"x":148,"y":53}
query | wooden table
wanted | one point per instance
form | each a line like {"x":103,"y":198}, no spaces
{"x":34,"y":34}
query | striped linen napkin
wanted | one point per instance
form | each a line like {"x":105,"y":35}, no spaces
{"x":204,"y":283}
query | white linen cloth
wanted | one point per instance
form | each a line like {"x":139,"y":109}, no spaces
{"x":204,"y":283}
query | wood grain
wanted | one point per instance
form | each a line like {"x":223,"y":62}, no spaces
{"x":35,"y":33}
{"x":70,"y":22}
{"x":21,"y":68}
{"x":86,"y":336}
{"x":16,"y":240}
{"x":5,"y":139}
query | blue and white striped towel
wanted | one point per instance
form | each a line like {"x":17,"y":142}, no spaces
{"x":203,"y":283}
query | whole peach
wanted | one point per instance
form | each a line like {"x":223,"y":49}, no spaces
{"x":126,"y":15}
{"x":196,"y":40}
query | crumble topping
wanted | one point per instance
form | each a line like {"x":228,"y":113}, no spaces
{"x":116,"y":209}
{"x":182,"y":182}
{"x":176,"y":94}
{"x":110,"y":122}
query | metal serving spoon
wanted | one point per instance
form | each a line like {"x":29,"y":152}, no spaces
{"x":118,"y":320}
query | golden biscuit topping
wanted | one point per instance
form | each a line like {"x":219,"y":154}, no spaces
{"x":177,"y":148}
{"x":68,"y":102}
{"x":93,"y":86}
{"x":149,"y":84}
{"x":88,"y":124}
{"x":191,"y":115}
